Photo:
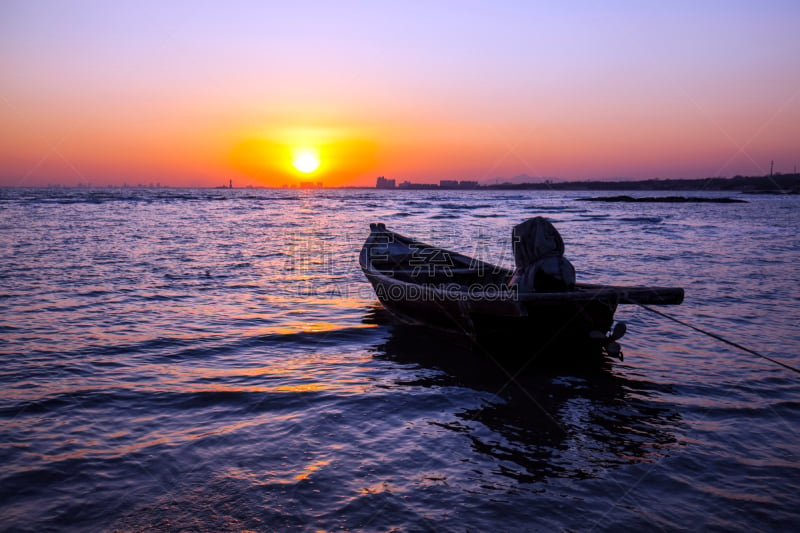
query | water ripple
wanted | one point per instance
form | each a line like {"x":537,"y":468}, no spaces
{"x":213,"y":360}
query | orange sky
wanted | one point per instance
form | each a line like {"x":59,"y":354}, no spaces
{"x":141,"y":92}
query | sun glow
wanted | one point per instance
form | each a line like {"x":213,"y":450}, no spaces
{"x":289,"y":156}
{"x":305,"y":160}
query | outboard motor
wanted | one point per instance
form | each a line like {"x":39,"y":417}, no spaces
{"x":539,"y":258}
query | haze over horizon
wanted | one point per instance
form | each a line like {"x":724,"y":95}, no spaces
{"x":273,"y":93}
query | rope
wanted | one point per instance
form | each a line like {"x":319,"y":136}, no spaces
{"x":726,"y":341}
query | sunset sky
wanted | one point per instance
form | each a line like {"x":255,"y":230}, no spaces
{"x":272,"y":93}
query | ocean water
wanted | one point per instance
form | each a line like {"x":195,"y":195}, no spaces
{"x":214,"y":360}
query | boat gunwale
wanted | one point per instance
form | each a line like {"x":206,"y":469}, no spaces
{"x":583,"y":292}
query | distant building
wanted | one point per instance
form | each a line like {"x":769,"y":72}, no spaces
{"x":448,"y":184}
{"x":463,"y":184}
{"x":383,"y":183}
{"x":310,"y":185}
{"x":409,"y":185}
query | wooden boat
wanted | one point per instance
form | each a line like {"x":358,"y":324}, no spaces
{"x":426,"y":285}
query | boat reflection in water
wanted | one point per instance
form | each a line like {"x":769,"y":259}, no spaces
{"x":535,"y":425}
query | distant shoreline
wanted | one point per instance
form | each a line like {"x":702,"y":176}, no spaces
{"x":778,"y":183}
{"x":775,"y":184}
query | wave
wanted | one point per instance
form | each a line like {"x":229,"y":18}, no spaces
{"x":539,"y":207}
{"x":211,"y":345}
{"x":464,"y":206}
{"x":647,"y":220}
{"x":331,"y":337}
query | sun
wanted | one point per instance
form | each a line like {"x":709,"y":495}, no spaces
{"x":306,"y":160}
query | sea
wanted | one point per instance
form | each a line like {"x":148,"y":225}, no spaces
{"x":215,"y":360}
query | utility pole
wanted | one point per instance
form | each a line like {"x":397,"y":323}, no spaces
{"x":771,"y":163}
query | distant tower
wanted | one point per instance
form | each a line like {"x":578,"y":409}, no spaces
{"x":230,"y":183}
{"x":771,"y":164}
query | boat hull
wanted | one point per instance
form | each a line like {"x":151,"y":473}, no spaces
{"x":499,"y":322}
{"x":425,"y":285}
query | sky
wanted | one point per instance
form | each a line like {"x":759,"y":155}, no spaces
{"x":269,"y":93}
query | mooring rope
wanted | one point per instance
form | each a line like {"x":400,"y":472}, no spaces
{"x":719,"y":338}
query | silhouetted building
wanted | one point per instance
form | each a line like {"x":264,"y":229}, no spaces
{"x":310,"y":185}
{"x":463,"y":184}
{"x":384,"y":183}
{"x":409,"y":185}
{"x":448,"y":184}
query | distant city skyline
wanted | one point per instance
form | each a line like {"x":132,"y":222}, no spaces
{"x":271,"y":93}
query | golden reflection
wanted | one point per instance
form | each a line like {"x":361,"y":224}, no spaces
{"x":376,"y":488}
{"x":294,"y":328}
{"x":311,"y":468}
{"x":304,"y":387}
{"x":283,"y":477}
{"x":259,"y":379}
